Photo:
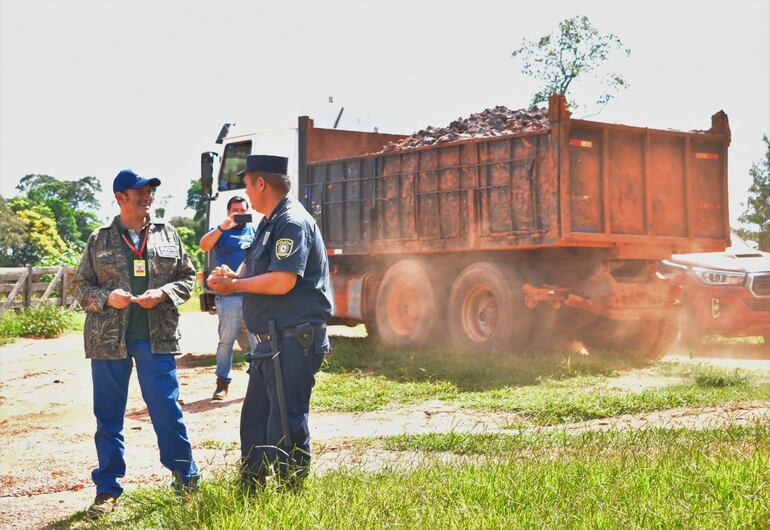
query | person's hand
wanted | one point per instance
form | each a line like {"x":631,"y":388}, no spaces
{"x":224,"y":271}
{"x":221,"y":284}
{"x":119,"y":299}
{"x":227,"y":224}
{"x":149,"y":298}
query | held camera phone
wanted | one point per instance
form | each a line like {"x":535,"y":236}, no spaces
{"x":242,"y":218}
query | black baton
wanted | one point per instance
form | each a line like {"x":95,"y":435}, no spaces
{"x":278,"y":375}
{"x":279,"y":385}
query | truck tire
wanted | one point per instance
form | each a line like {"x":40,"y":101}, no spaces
{"x":487,"y":311}
{"x":410,"y":305}
{"x":371,"y":331}
{"x":658,"y":337}
{"x":645,"y":339}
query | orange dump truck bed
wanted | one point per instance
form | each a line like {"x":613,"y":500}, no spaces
{"x":644,"y":193}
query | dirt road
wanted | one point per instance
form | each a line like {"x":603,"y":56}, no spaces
{"x":47,"y":426}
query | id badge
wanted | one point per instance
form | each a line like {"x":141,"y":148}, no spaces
{"x":140,"y":268}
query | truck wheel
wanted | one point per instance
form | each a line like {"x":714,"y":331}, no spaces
{"x":410,"y":305}
{"x":371,"y":331}
{"x":658,"y":337}
{"x":487,"y":311}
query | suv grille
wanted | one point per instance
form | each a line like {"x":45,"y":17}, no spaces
{"x":758,"y":304}
{"x":760,"y":285}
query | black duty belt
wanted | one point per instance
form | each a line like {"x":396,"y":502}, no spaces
{"x":285,"y":332}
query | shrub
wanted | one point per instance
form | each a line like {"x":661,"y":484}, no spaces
{"x":715,"y":377}
{"x":46,"y":321}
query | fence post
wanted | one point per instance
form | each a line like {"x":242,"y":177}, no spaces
{"x":64,"y":288}
{"x":28,"y":287}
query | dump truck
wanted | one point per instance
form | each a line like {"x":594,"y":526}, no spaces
{"x":505,"y":243}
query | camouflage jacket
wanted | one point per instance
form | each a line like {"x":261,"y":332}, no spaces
{"x":104,"y":268}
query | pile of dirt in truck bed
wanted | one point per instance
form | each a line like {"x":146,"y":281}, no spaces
{"x":497,"y":121}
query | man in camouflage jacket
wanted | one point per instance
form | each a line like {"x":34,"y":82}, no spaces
{"x":133,"y":276}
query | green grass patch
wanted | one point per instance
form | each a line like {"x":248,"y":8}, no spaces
{"x":691,"y":480}
{"x":358,"y":392}
{"x":468,"y":371}
{"x":359,"y":376}
{"x":552,"y":403}
{"x":709,"y":376}
{"x":608,"y":444}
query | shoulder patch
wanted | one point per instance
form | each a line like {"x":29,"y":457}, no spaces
{"x":168,"y":251}
{"x":283,"y":248}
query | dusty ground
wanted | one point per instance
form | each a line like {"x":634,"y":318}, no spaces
{"x":47,"y":426}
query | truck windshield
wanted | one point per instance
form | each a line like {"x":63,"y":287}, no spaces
{"x":233,"y":161}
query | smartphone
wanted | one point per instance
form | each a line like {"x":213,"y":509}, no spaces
{"x":242,"y":218}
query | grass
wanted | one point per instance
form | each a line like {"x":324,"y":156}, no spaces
{"x":358,"y":392}
{"x":647,"y":479}
{"x":544,"y":390}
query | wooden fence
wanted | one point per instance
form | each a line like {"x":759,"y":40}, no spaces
{"x":30,"y":286}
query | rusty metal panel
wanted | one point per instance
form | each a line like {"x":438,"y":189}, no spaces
{"x":626,"y":183}
{"x":585,"y":180}
{"x":334,"y":201}
{"x":667,"y":185}
{"x":352,"y":202}
{"x":708,"y":198}
{"x":426,"y":188}
{"x":449,"y":203}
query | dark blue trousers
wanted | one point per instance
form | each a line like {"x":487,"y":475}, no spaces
{"x":160,"y":389}
{"x":260,"y":416}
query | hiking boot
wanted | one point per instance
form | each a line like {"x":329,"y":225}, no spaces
{"x":222,"y":387}
{"x":103,"y":504}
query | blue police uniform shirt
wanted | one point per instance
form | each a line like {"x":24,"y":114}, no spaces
{"x":232,"y":244}
{"x":289,"y":241}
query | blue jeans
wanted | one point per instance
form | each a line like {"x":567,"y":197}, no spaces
{"x":260,"y":416}
{"x":160,"y":389}
{"x":230,"y":314}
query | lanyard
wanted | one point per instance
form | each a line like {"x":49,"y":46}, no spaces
{"x":131,"y":245}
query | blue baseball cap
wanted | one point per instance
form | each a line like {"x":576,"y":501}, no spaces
{"x":128,"y":180}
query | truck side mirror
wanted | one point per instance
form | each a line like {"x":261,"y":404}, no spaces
{"x":207,"y":172}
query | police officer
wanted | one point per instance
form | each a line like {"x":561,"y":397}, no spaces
{"x":132,"y":277}
{"x":285,"y":280}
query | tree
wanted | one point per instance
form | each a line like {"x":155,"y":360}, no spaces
{"x":190,"y":242}
{"x":577,"y":50}
{"x":40,"y":239}
{"x":66,"y":221}
{"x":79,"y":194}
{"x":197,"y":200}
{"x":72,"y":202}
{"x":12,"y":235}
{"x":757,"y":212}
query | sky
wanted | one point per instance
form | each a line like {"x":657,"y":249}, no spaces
{"x":91,"y":87}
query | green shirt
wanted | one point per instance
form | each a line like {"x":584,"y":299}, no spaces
{"x":138,"y":321}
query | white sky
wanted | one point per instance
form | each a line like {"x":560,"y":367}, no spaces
{"x":90,"y":87}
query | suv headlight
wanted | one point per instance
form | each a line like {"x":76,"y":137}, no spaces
{"x":710,"y":277}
